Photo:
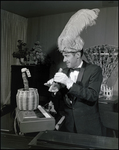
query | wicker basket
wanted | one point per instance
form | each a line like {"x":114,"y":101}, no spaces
{"x":27,"y":100}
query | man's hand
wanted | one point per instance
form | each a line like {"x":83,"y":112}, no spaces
{"x":62,"y":78}
{"x":53,"y":87}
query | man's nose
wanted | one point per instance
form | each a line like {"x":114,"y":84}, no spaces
{"x":64,"y":59}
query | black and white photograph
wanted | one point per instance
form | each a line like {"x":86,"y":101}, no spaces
{"x":59,"y":75}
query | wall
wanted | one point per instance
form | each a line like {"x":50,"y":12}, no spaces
{"x":46,"y":29}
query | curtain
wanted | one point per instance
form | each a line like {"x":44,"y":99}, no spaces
{"x":13,"y":28}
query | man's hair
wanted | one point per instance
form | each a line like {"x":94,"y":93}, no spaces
{"x":81,"y":52}
{"x":73,"y":53}
{"x":78,"y":51}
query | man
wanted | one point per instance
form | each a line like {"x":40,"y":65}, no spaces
{"x":79,"y":88}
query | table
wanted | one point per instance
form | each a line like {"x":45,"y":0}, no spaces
{"x":12,"y":141}
{"x":57,"y":139}
{"x":108,"y":105}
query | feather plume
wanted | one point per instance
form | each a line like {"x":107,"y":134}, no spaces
{"x":70,"y":40}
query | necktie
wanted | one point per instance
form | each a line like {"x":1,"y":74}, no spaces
{"x":72,"y":74}
{"x":74,"y":69}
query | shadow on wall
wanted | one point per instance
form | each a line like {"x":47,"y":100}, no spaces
{"x":57,"y":60}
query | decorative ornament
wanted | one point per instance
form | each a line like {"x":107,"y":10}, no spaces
{"x":70,"y":40}
{"x":105,"y":56}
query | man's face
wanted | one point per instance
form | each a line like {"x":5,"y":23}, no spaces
{"x":72,"y":60}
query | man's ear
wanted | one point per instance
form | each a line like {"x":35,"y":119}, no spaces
{"x":78,"y":54}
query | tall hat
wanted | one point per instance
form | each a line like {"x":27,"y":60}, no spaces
{"x":70,"y":40}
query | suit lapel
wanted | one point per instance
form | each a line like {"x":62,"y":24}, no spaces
{"x":80,"y":76}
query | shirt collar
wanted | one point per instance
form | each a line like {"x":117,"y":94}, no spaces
{"x":80,"y":64}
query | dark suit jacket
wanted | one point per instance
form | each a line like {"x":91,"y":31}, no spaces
{"x":84,"y":108}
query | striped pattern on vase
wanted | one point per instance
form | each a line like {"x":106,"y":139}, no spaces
{"x":27,"y":100}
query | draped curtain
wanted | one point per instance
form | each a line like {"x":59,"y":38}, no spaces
{"x":13,"y":28}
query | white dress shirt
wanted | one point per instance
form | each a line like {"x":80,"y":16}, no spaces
{"x":73,"y":76}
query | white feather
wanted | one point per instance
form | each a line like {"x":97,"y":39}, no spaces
{"x":70,"y":36}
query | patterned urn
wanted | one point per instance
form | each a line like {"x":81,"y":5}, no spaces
{"x":27,"y":100}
